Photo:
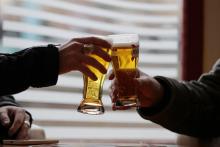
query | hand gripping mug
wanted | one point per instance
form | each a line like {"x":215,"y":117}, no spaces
{"x":125,"y":53}
{"x":92,"y":90}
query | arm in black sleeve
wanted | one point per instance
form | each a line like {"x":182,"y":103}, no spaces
{"x":36,"y":67}
{"x":193,"y":108}
{"x":8,"y":101}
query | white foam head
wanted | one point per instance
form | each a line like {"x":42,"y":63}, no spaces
{"x":124,"y":40}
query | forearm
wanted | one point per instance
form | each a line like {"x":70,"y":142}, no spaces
{"x":36,"y":67}
{"x":191,"y":109}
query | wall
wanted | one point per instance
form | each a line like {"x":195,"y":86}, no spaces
{"x":212,"y":33}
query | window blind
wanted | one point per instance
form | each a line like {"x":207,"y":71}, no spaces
{"x":29,"y":23}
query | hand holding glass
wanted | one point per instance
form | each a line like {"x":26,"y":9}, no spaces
{"x":92,"y":91}
{"x":125,"y":53}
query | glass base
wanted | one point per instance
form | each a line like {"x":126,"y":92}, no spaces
{"x":91,"y":108}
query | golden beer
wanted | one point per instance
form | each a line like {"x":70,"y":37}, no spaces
{"x":92,"y":91}
{"x":125,"y":53}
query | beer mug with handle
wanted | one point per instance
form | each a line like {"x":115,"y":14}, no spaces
{"x":92,"y":90}
{"x":125,"y":53}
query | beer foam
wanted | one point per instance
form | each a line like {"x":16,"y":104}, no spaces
{"x":124,"y":40}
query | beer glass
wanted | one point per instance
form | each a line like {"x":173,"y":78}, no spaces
{"x":125,"y":53}
{"x":92,"y":90}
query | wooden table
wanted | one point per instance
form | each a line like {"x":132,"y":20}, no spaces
{"x":105,"y":143}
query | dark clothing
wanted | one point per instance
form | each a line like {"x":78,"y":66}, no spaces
{"x":191,"y":108}
{"x":36,"y":67}
{"x":8,"y":101}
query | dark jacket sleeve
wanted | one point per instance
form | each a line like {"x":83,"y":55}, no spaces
{"x":8,"y":101}
{"x":192,"y":108}
{"x":36,"y":67}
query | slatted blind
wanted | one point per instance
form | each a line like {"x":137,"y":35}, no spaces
{"x":28,"y":23}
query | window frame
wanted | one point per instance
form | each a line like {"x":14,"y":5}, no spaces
{"x":192,"y":39}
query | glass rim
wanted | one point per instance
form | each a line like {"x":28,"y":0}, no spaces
{"x":124,"y":40}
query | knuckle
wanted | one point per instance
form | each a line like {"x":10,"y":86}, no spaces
{"x":73,"y":39}
{"x":19,"y":121}
{"x":26,"y":124}
{"x":2,"y":113}
{"x":92,"y":38}
{"x":21,"y":110}
{"x":76,"y":44}
{"x":26,"y":127}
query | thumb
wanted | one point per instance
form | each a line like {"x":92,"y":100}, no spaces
{"x":140,"y":85}
{"x":4,"y":118}
{"x":137,"y":83}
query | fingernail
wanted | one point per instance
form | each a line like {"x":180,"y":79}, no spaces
{"x":105,"y":71}
{"x":94,"y":78}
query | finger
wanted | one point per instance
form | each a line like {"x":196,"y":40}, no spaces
{"x":4,"y":118}
{"x":137,"y":82}
{"x":138,"y":73}
{"x":123,"y":107}
{"x":115,"y":107}
{"x":141,"y":83}
{"x":114,"y":96}
{"x":93,"y":62}
{"x":86,"y":71}
{"x":19,"y":117}
{"x":114,"y":93}
{"x":111,"y":75}
{"x":101,"y":53}
{"x":23,"y":132}
{"x":94,"y":40}
{"x":141,"y":74}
